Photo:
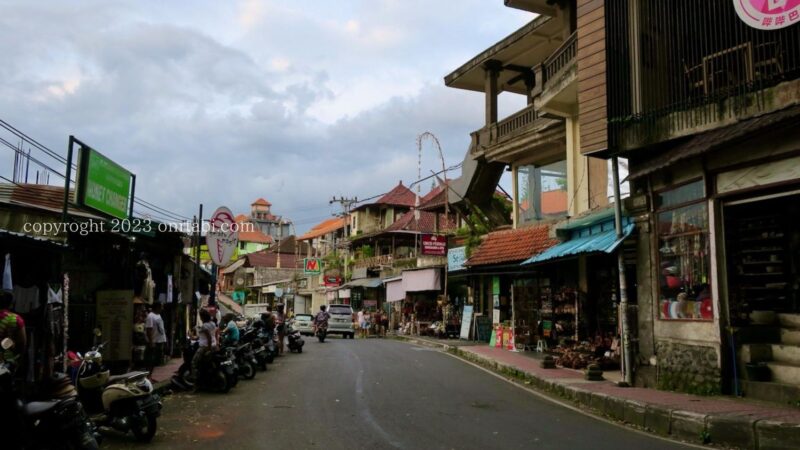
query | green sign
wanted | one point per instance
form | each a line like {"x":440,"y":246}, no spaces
{"x":312,"y":266}
{"x":103,"y":184}
{"x":496,"y":285}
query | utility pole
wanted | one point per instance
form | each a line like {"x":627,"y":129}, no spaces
{"x":627,"y":350}
{"x":346,"y":204}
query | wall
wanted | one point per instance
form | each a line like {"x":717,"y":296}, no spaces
{"x":592,"y":75}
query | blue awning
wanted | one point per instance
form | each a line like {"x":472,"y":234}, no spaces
{"x":597,"y":238}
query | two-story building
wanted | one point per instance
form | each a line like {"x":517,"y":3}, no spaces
{"x":703,"y":98}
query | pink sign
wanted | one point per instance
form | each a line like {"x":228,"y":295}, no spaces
{"x":768,"y":14}
{"x":222,"y":237}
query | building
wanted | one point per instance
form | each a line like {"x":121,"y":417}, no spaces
{"x":251,"y":238}
{"x":276,"y":227}
{"x":705,"y":104}
{"x":324,"y":242}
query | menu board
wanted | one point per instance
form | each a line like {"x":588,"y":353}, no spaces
{"x":466,"y":321}
{"x":115,"y":320}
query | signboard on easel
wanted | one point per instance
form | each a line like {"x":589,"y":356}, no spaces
{"x":466,"y":322}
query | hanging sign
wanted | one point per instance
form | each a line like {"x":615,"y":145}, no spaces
{"x":332,"y":281}
{"x":102,"y":184}
{"x":433,"y":245}
{"x":312,"y":266}
{"x":768,"y":14}
{"x":222,"y":237}
{"x":456,"y":258}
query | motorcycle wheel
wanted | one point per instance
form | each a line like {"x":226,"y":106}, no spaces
{"x":247,"y":371}
{"x":220,"y":383}
{"x":84,"y":440}
{"x":185,"y":376}
{"x":321,"y":337}
{"x":300,"y":350}
{"x":145,"y":430}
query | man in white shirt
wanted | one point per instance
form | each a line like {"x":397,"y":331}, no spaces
{"x":156,"y":338}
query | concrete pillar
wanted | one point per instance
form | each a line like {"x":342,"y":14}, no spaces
{"x":515,"y":202}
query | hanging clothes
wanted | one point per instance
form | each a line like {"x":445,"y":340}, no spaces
{"x":54,"y":296}
{"x":8,"y":284}
{"x":26,"y":299}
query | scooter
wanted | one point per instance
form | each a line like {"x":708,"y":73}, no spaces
{"x":217,"y":372}
{"x":295,"y":340}
{"x":260,"y":351}
{"x":126,"y":403}
{"x":321,"y":331}
{"x":60,"y":423}
{"x":245,"y":360}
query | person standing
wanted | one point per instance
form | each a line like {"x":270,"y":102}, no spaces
{"x":361,"y":323}
{"x":156,"y":338}
{"x":280,"y":326}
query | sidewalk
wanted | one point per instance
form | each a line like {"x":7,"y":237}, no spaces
{"x":162,"y":375}
{"x":724,"y":421}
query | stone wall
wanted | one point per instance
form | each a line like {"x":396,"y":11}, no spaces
{"x":688,"y":368}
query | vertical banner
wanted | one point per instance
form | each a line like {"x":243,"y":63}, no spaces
{"x":495,"y":300}
{"x":115,"y":320}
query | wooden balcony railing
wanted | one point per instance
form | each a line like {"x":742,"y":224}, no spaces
{"x":516,"y":121}
{"x":560,"y":59}
{"x":374,"y":261}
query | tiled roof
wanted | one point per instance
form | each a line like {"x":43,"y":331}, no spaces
{"x":434,"y":199}
{"x":254,"y":235}
{"x":266,"y":258}
{"x":289,"y":244}
{"x":510,"y":246}
{"x":399,"y":196}
{"x":323,"y":228}
{"x":425,"y":224}
{"x":261,"y":202}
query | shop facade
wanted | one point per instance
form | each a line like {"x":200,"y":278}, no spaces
{"x":718,"y":259}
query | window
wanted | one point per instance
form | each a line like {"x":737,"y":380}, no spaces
{"x":542,"y":191}
{"x":683,"y":254}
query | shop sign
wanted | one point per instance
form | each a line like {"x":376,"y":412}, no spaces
{"x":433,"y":245}
{"x":312,"y":266}
{"x":456,"y":258}
{"x":332,"y":281}
{"x":768,"y":14}
{"x":115,"y":320}
{"x":103,"y":185}
{"x":222,"y":238}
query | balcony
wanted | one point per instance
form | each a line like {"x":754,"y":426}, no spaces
{"x":374,"y":261}
{"x":523,"y":134}
{"x":694,"y":66}
{"x":559,"y":75}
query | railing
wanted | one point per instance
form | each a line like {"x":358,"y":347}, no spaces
{"x":374,"y":261}
{"x":697,"y":64}
{"x":560,"y":58}
{"x":516,"y":121}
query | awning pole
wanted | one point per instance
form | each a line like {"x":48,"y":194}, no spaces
{"x":627,"y":351}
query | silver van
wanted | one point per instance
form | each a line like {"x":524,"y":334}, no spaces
{"x":341,"y":321}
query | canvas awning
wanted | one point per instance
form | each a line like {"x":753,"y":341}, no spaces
{"x":395,"y":291}
{"x":421,"y":280}
{"x":232,"y":268}
{"x":364,"y":282}
{"x":597,"y":238}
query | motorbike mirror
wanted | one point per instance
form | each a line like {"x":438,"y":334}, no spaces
{"x":98,"y":332}
{"x":7,"y":343}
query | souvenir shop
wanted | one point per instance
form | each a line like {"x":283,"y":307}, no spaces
{"x":418,"y":306}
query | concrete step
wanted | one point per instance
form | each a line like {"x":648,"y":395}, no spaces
{"x":785,"y":373}
{"x":780,"y":393}
{"x":786,"y":354}
{"x":790,"y":336}
{"x":789,"y":320}
{"x":752,"y":353}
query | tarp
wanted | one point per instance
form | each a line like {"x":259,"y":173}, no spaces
{"x":365,"y":282}
{"x":598,"y":238}
{"x":395,"y":291}
{"x":421,"y":280}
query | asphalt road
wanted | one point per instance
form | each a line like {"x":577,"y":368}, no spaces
{"x":379,"y":394}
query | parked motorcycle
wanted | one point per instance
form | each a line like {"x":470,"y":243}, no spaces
{"x":59,"y":423}
{"x":245,"y":361}
{"x":216,"y":373}
{"x":295,"y":340}
{"x":260,"y":351}
{"x":126,"y":403}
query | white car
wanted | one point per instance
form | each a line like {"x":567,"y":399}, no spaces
{"x":304,"y":323}
{"x":341,"y":321}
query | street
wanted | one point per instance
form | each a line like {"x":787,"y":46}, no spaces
{"x":376,"y":394}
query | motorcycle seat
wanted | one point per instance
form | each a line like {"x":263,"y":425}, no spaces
{"x":130,"y":376}
{"x":37,"y":408}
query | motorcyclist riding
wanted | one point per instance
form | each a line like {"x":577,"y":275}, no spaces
{"x":321,"y":319}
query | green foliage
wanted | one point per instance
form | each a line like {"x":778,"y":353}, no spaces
{"x":366,"y":251}
{"x":332,"y":261}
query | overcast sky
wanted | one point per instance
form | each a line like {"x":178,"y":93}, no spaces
{"x":222,"y":102}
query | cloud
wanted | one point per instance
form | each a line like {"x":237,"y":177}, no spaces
{"x":222,"y":104}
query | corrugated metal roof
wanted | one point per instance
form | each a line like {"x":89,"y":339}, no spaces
{"x":585,"y":241}
{"x":37,"y":239}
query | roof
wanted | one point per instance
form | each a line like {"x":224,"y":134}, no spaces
{"x":524,"y":48}
{"x":41,"y":196}
{"x":426,"y":223}
{"x":236,"y":264}
{"x":252,"y":233}
{"x":603,"y":240}
{"x":323,"y":228}
{"x":436,"y":198}
{"x":266,"y":258}
{"x":289,"y":245}
{"x":717,"y":139}
{"x":511,"y":246}
{"x":400,"y":195}
{"x":261,"y":202}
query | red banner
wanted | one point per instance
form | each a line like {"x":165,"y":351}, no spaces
{"x":433,"y":245}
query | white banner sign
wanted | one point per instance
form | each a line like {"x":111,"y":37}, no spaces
{"x":222,"y":237}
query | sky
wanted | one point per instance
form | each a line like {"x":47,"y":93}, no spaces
{"x":221,"y":103}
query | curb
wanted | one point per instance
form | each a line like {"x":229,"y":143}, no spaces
{"x":697,"y":428}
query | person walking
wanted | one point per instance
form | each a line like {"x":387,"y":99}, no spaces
{"x":280,"y":326}
{"x":156,"y":338}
